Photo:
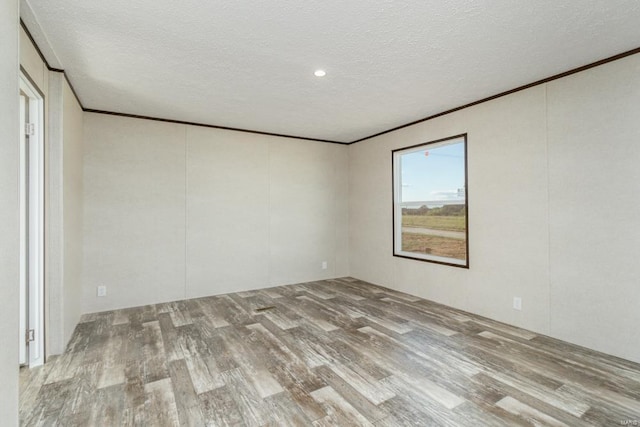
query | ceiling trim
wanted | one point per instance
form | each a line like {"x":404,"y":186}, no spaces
{"x":46,"y":63}
{"x":508,"y":92}
{"x":28,"y":16}
{"x":433,"y":116}
{"x":33,"y":42}
{"x":181,"y":122}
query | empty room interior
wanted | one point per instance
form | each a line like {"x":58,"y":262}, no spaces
{"x":375,"y":213}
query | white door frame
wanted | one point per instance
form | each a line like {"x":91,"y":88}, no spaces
{"x":24,"y":313}
{"x":32,"y":222}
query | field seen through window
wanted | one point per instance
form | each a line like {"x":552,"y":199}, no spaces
{"x":427,"y":231}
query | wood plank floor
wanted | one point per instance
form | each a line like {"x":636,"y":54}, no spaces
{"x":336,"y":352}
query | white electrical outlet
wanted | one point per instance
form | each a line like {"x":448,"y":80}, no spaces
{"x":517,"y":303}
{"x":324,"y":265}
{"x":102,"y":291}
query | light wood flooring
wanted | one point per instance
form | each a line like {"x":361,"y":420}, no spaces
{"x":336,"y":352}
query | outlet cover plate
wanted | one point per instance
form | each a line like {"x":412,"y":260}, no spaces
{"x":517,"y":303}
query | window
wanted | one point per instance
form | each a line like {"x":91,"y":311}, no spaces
{"x":430,"y":202}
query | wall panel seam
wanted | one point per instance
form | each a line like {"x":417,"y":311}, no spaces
{"x":186,"y":189}
{"x":548,"y":156}
{"x":269,"y":178}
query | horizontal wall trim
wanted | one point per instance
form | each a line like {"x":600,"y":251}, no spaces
{"x":452,"y":110}
{"x":136,"y":116}
{"x":508,"y":92}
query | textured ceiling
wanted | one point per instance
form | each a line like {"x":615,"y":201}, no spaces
{"x":250,"y":64}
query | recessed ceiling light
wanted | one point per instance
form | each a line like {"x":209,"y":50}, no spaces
{"x":320,"y":73}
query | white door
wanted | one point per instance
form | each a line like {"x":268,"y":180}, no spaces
{"x":31,"y":225}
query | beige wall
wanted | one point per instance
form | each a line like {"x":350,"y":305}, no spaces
{"x":553,"y":218}
{"x":175,"y":211}
{"x":9,"y":237}
{"x":134,"y":214}
{"x":594,"y":182}
{"x":72,"y":210}
{"x":32,"y":63}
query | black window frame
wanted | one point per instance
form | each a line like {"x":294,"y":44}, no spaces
{"x":465,"y":138}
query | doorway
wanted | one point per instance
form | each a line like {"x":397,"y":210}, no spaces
{"x":31,"y":224}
